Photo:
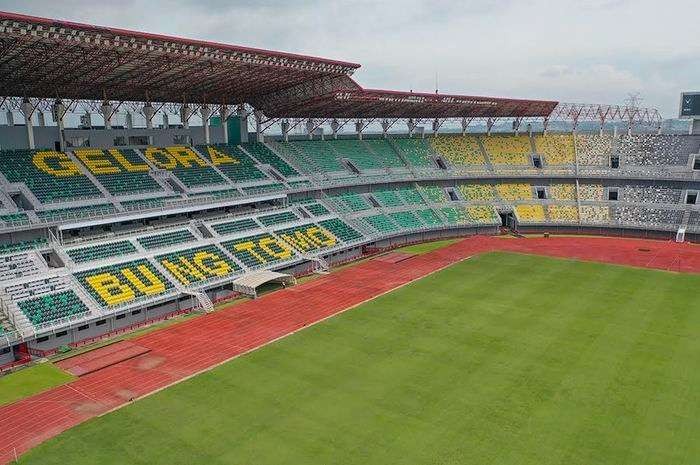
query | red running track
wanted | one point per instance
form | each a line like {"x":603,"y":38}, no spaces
{"x":190,"y":347}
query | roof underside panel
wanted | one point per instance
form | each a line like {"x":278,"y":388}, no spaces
{"x":45,"y":58}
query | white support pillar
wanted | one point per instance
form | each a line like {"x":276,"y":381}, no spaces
{"x":149,"y":112}
{"x":27,"y":109}
{"x":166,"y":120}
{"x":310,"y":128}
{"x":59,"y":111}
{"x":489,"y":125}
{"x":224,"y":114}
{"x":411,"y":125}
{"x":358,"y":128}
{"x":10,"y":118}
{"x":185,"y":113}
{"x":107,"y":111}
{"x":465,"y":125}
{"x":284,"y":124}
{"x":243,"y":123}
{"x":259,"y":136}
{"x":545,"y":126}
{"x":42,"y":119}
{"x":129,"y":120}
{"x":205,"y":112}
{"x":385,"y":127}
{"x":335,"y":125}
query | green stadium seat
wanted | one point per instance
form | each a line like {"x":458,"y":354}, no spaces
{"x":158,"y":241}
{"x":120,"y":171}
{"x":51,"y":307}
{"x":100,"y":252}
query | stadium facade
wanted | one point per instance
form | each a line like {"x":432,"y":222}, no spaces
{"x":104,"y":229}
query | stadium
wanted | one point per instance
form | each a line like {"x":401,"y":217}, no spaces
{"x":321,"y":272}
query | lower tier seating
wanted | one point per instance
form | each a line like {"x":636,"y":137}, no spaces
{"x":514,"y":191}
{"x":429,"y":217}
{"x":434,"y":194}
{"x":591,"y":192}
{"x":647,"y":216}
{"x":341,"y":230}
{"x":124,"y":283}
{"x":406,"y":220}
{"x":562,"y":213}
{"x":530,"y":213}
{"x":483,"y":214}
{"x":562,"y":191}
{"x":52,"y":307}
{"x":381,"y":223}
{"x":594,"y":214}
{"x":198,"y":264}
{"x":477,"y":192}
{"x":158,"y":241}
{"x":308,"y":237}
{"x":651,"y":194}
{"x":259,"y":250}
{"x":231,"y":227}
{"x":102,"y":251}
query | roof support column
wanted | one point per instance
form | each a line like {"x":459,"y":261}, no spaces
{"x":10,"y":118}
{"x":489,"y":125}
{"x":27,"y":109}
{"x":335,"y":125}
{"x":224,"y":113}
{"x":259,"y":136}
{"x":284,"y":125}
{"x":129,"y":120}
{"x":107,"y":111}
{"x":385,"y":127}
{"x":149,"y":112}
{"x":59,"y":111}
{"x":42,"y":118}
{"x":243,"y":123}
{"x":185,"y":113}
{"x":465,"y":125}
{"x":310,"y":128}
{"x":411,"y":125}
{"x":516,"y":125}
{"x":205,"y":112}
{"x":545,"y":125}
{"x":359,"y":125}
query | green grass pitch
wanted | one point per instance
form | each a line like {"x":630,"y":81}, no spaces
{"x":500,"y":359}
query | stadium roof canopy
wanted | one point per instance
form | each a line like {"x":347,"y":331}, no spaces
{"x":45,"y":58}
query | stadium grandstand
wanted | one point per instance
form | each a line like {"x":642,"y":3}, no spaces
{"x":292,"y":167}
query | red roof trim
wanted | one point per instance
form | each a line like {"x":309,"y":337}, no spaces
{"x":126,"y":32}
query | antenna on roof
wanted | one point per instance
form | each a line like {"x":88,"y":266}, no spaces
{"x":436,"y":82}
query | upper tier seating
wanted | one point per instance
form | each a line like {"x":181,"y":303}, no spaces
{"x":259,"y":250}
{"x":434,"y":194}
{"x":124,"y":283}
{"x":514,"y":191}
{"x":477,"y":192}
{"x":308,"y":237}
{"x":341,"y":230}
{"x":415,"y":150}
{"x":562,"y":213}
{"x":508,"y":150}
{"x":460,"y":150}
{"x":120,"y":171}
{"x":316,"y":209}
{"x":594,"y":214}
{"x":358,"y":152}
{"x":100,"y":252}
{"x":647,"y":216}
{"x":185,"y":164}
{"x":384,"y":153}
{"x":593,"y":150}
{"x":198,"y":264}
{"x":146,"y":204}
{"x":266,"y":156}
{"x":62,"y":214}
{"x":591,"y":192}
{"x":387,"y":198}
{"x":52,"y":307}
{"x":651,"y":194}
{"x":158,"y":241}
{"x":562,"y":191}
{"x":311,"y":155}
{"x":278,"y":218}
{"x":558,"y":149}
{"x":231,"y":227}
{"x":530,"y":213}
{"x":351,"y":202}
{"x":51,"y":176}
{"x":233,"y":162}
{"x":656,"y":150}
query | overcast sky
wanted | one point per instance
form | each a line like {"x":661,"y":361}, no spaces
{"x":594,"y":51}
